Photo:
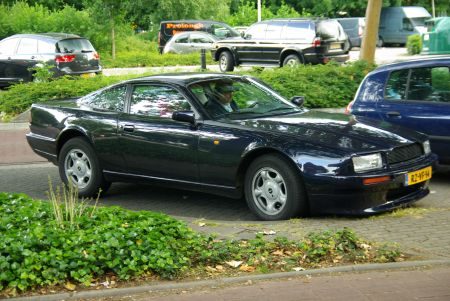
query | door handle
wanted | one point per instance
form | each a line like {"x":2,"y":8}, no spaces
{"x":393,"y":114}
{"x":128,"y":128}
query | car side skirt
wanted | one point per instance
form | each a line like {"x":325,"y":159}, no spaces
{"x":227,"y":191}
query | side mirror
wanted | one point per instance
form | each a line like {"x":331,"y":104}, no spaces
{"x":247,"y":36}
{"x":184,"y":116}
{"x":298,"y":100}
{"x":242,"y":34}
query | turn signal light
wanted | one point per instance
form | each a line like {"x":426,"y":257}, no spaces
{"x":96,"y":56}
{"x":316,"y":42}
{"x":377,"y":180}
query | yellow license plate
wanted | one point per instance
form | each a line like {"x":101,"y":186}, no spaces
{"x":418,"y":176}
{"x":335,"y":46}
{"x":86,"y":75}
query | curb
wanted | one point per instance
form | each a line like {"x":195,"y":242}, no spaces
{"x":158,"y":287}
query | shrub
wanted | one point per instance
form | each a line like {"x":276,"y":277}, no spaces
{"x":414,"y":44}
{"x":38,"y":249}
{"x":324,"y":86}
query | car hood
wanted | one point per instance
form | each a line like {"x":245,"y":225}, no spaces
{"x":335,"y":130}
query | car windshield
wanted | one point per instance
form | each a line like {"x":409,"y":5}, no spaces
{"x":240,"y":98}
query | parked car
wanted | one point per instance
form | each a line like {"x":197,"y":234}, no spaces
{"x":437,"y":38}
{"x":168,"y":29}
{"x":413,"y":94}
{"x":397,"y":23}
{"x":174,"y":129}
{"x":67,"y":54}
{"x":354,"y":28}
{"x":284,"y":42}
{"x":189,"y":41}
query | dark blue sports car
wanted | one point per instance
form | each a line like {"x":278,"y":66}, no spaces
{"x":233,"y":136}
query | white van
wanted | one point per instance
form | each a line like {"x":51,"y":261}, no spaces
{"x":397,"y":23}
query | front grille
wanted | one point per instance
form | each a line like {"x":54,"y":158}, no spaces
{"x":405,"y":153}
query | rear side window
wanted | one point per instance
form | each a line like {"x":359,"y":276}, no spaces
{"x":46,"y":47}
{"x":299,"y":30}
{"x":423,"y":84}
{"x":396,"y":85}
{"x":74,"y":45}
{"x":107,"y":100}
{"x":27,"y":46}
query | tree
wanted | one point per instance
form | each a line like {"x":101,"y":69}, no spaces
{"x":110,"y":12}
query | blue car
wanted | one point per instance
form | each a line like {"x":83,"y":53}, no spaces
{"x":413,"y":94}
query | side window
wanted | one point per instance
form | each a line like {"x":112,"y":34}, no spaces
{"x":27,"y":46}
{"x":46,"y":47}
{"x":274,"y":29}
{"x":257,"y":31}
{"x":196,"y":38}
{"x":109,"y":100}
{"x":298,"y":30}
{"x":182,"y":40}
{"x":396,"y":85}
{"x":157,"y":101}
{"x":8,"y":47}
{"x":430,"y":84}
{"x":420,"y":87}
{"x":407,"y":25}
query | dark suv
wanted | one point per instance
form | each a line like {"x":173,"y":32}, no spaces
{"x":282,"y":42}
{"x":68,"y":55}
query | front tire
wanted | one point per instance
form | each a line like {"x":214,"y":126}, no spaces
{"x":226,"y":61}
{"x":274,"y":189}
{"x":79,"y":166}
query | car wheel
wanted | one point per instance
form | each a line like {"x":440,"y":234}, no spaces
{"x":226,"y":61}
{"x":292,"y":60}
{"x":78,"y":166}
{"x":274,"y":189}
{"x":380,"y":42}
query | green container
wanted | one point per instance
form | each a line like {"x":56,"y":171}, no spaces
{"x":437,"y":38}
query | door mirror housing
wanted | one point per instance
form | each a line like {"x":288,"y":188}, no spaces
{"x":184,"y":116}
{"x":298,"y":100}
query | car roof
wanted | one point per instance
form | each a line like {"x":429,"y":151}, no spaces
{"x":422,"y":62}
{"x":184,"y":78}
{"x":52,"y":35}
{"x":191,"y":21}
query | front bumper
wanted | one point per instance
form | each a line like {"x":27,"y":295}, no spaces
{"x":349,"y":196}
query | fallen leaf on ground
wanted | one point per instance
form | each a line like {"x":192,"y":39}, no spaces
{"x":247,"y":268}
{"x":298,"y":269}
{"x":70,"y":286}
{"x":234,"y":263}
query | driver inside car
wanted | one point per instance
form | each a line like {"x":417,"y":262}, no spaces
{"x":222,"y":101}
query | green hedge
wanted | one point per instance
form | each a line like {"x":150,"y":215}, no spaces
{"x":324,"y":86}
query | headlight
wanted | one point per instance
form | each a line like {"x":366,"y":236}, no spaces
{"x":426,"y":147}
{"x":368,"y":162}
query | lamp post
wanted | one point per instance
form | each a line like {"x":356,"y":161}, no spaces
{"x":259,"y":10}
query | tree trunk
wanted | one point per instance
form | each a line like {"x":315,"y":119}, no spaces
{"x":113,"y":38}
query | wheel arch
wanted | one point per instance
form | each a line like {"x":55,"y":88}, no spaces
{"x":288,"y":52}
{"x":256,"y":153}
{"x":69,"y":134}
{"x":223,"y":49}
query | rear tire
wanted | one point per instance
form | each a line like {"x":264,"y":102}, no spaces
{"x":79,"y":166}
{"x":292,"y":60}
{"x":380,"y":42}
{"x":274,"y":189}
{"x":226,"y":61}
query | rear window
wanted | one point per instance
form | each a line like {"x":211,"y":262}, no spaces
{"x":74,"y":45}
